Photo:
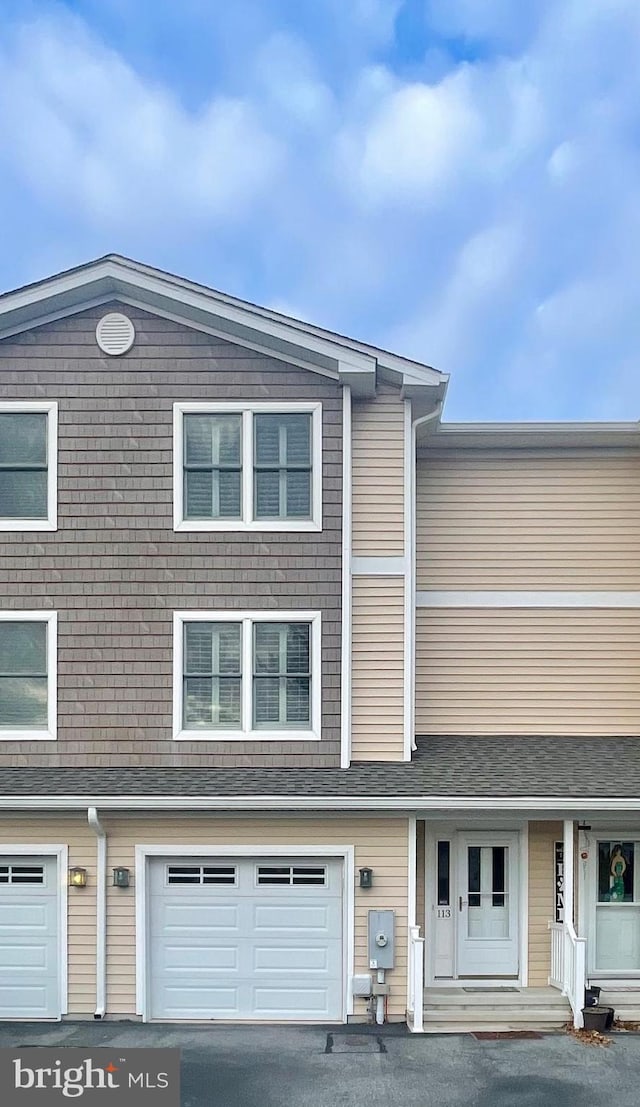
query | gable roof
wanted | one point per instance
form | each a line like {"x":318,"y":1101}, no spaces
{"x":113,"y":277}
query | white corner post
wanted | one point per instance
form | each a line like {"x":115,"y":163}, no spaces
{"x":574,"y":968}
{"x":345,"y":648}
{"x":415,"y":959}
{"x":101,"y":912}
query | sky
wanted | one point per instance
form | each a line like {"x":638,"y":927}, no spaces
{"x":455,"y":180}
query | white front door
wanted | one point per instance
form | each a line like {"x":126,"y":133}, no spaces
{"x":487,"y":905}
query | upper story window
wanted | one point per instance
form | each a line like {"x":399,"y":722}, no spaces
{"x":28,"y":449}
{"x":27,"y":675}
{"x":242,"y":675}
{"x":248,"y":466}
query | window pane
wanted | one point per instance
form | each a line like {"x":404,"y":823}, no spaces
{"x":23,"y":438}
{"x":266,"y":701}
{"x":615,"y":871}
{"x":23,"y":648}
{"x":298,"y":648}
{"x":298,"y":439}
{"x":298,"y":494}
{"x":297,"y":705}
{"x":212,"y":648}
{"x":267,"y":495}
{"x":23,"y":701}
{"x":266,"y":439}
{"x":229,"y":494}
{"x":212,"y":703}
{"x":498,"y":865}
{"x":198,"y":494}
{"x":212,"y":440}
{"x":474,"y":876}
{"x":213,"y":494}
{"x":443,"y":873}
{"x":23,"y":494}
{"x":267,"y":643}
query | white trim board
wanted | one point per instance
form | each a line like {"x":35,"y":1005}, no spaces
{"x":347,"y":590}
{"x":378,"y":566}
{"x":143,"y":853}
{"x":408,"y":711}
{"x":61,"y":852}
{"x":521,"y":599}
{"x":407,"y":805}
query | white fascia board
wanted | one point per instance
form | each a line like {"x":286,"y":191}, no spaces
{"x":403,"y":804}
{"x":533,"y":435}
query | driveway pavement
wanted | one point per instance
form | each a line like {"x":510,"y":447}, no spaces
{"x":229,"y":1066}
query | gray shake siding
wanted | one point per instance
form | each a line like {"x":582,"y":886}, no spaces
{"x":115,"y":570}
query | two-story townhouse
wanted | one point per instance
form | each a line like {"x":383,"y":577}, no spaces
{"x":242,"y":564}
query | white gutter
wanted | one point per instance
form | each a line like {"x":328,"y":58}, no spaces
{"x":404,"y":804}
{"x":411,"y":552}
{"x":346,"y":633}
{"x":101,"y":912}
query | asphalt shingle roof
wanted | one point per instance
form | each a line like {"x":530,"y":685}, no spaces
{"x":448,"y":766}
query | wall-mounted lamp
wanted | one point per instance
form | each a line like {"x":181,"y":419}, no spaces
{"x":121,"y":877}
{"x":366,"y":877}
{"x":78,"y":877}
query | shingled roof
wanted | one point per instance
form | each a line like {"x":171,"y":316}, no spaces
{"x":443,"y":767}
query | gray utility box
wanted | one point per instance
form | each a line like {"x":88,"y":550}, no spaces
{"x":381,"y":939}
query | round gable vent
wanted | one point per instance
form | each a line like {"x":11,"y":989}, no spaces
{"x":115,"y":333}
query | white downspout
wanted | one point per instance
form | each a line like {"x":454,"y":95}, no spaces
{"x":101,"y":912}
{"x":435,"y":414}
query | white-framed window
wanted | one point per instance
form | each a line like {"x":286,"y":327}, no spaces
{"x":28,"y":465}
{"x":247,"y":675}
{"x":28,"y":682}
{"x":247,"y":466}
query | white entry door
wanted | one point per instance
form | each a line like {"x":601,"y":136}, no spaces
{"x":487,"y":907}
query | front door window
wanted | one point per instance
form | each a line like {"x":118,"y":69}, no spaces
{"x":617,"y":906}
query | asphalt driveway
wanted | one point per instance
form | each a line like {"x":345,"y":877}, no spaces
{"x":229,"y":1066}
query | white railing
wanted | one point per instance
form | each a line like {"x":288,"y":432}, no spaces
{"x":556,"y":976}
{"x":568,"y":967}
{"x":415,"y":999}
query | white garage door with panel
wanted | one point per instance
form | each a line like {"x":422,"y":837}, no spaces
{"x":246,"y":938}
{"x":29,"y":938}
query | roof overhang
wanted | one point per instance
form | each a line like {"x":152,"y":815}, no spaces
{"x":113,"y":277}
{"x":527,"y":436}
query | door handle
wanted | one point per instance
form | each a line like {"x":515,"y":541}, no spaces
{"x":461,"y":902}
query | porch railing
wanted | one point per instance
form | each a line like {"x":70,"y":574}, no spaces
{"x":415,"y":1001}
{"x":568,"y":967}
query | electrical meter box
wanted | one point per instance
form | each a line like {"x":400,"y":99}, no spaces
{"x":381,"y":939}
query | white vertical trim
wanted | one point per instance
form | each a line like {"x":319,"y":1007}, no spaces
{"x":524,"y":905}
{"x":101,"y":912}
{"x":144,"y":853}
{"x":346,"y":637}
{"x":409,"y":583}
{"x":568,"y":870}
{"x":411,"y":889}
{"x":178,"y":475}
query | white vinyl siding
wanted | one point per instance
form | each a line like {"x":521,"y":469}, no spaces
{"x":27,"y":675}
{"x":243,"y":466}
{"x":28,"y":447}
{"x":247,"y":675}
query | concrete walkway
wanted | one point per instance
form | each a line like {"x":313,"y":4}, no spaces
{"x":253,"y":1066}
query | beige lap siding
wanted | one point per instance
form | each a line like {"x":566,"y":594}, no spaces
{"x":528,"y":671}
{"x":380,"y":843}
{"x":378,"y":475}
{"x":545,"y":519}
{"x":74,"y":832}
{"x":542,"y":839}
{"x":377,"y":674}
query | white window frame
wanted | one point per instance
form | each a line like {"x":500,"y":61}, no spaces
{"x":48,"y":735}
{"x":247,"y":733}
{"x":50,"y":408}
{"x":247,"y":411}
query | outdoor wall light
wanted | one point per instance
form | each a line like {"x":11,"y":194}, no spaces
{"x":78,"y":877}
{"x":366,"y":877}
{"x":121,"y":877}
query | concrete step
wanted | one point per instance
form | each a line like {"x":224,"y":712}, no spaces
{"x":481,"y":1015}
{"x":496,"y":1027}
{"x":625,"y":1001}
{"x":451,"y":998}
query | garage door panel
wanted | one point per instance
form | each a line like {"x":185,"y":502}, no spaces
{"x":29,"y":939}
{"x":282,"y":960}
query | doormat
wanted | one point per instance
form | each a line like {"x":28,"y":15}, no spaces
{"x":497,"y":1035}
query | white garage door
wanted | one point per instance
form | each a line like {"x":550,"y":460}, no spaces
{"x":29,"y":978}
{"x":246,"y":939}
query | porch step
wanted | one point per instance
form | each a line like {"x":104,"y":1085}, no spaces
{"x":625,"y":1001}
{"x":457,"y":1010}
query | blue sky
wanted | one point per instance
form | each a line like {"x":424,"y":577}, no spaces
{"x":457,"y":180}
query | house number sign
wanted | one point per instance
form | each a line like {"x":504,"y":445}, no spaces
{"x":559,"y":875}
{"x":444,"y":913}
